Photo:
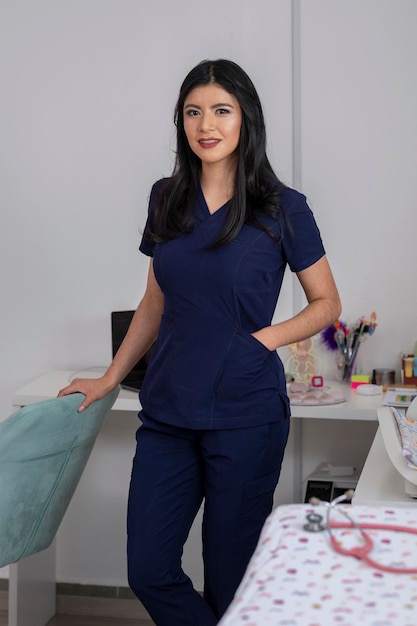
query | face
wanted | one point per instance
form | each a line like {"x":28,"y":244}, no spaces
{"x":212,"y":122}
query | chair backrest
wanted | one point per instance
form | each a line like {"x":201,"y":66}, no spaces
{"x":44,"y":448}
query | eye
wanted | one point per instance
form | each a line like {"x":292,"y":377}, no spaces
{"x":192,"y":112}
{"x":222,"y":111}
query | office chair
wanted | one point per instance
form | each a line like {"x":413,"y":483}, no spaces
{"x":44,"y":448}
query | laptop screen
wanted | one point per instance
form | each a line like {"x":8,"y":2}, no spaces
{"x":120,"y":321}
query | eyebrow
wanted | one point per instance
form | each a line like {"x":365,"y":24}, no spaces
{"x":214,"y":106}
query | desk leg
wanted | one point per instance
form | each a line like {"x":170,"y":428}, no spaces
{"x":32,"y":589}
{"x":297,"y":429}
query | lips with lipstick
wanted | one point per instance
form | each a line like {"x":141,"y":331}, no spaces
{"x":210,"y":142}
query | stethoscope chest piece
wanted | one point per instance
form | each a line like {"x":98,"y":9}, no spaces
{"x":314,"y":523}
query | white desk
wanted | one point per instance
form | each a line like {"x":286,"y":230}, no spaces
{"x":32,"y":580}
{"x":357,"y":407}
{"x":48,"y":385}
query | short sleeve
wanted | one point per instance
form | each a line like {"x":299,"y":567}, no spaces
{"x":147,"y":245}
{"x":301,"y":241}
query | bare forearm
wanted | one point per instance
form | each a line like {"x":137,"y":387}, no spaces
{"x":140,"y":336}
{"x":142,"y":332}
{"x":322,"y":310}
{"x":311,"y":320}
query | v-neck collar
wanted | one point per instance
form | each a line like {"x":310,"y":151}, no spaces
{"x":203,"y":210}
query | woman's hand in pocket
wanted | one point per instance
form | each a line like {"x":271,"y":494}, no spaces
{"x":265,"y":337}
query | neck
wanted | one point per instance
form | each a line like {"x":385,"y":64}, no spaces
{"x":218,"y":180}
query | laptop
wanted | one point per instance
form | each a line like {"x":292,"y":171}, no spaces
{"x":120,"y":321}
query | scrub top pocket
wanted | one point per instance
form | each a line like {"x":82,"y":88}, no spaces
{"x":248,"y":367}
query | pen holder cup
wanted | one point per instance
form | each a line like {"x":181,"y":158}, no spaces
{"x":409,"y":368}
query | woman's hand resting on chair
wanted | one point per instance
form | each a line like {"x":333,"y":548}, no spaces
{"x":92,"y":388}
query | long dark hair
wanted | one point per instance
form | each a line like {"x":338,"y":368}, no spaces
{"x":256,"y":185}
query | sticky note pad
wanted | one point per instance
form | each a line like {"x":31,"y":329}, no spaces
{"x":359,"y":379}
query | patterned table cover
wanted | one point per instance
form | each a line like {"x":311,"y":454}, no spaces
{"x":295,"y":578}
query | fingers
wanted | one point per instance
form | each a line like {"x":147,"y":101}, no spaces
{"x":88,"y":387}
{"x":66,"y":391}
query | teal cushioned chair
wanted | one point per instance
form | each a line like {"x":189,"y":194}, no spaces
{"x":44,"y":448}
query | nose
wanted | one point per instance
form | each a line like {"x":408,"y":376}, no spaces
{"x":207,"y":121}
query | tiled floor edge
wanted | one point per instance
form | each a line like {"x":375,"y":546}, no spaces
{"x":95,"y":606}
{"x":94,"y":591}
{"x":96,"y":600}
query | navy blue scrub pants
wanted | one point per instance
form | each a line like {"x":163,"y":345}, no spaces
{"x":174,"y":469}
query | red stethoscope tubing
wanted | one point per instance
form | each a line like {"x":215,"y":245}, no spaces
{"x":362,"y":552}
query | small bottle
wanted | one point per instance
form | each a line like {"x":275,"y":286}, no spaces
{"x":415,"y":360}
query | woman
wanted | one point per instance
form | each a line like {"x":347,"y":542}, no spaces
{"x":215,"y":414}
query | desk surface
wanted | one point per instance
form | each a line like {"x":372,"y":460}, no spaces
{"x":48,"y":386}
{"x":356,"y":407}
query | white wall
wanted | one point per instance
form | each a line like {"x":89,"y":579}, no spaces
{"x":88,"y":89}
{"x":359,"y":157}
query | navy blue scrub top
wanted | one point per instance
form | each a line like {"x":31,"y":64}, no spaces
{"x":207,"y":371}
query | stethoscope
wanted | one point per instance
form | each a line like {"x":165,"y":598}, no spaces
{"x":315,"y":524}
